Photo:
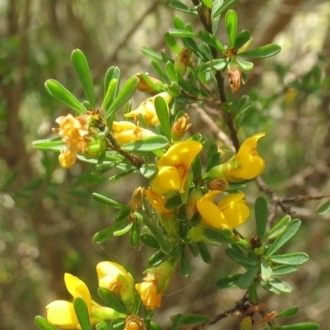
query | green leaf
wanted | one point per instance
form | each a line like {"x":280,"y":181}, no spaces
{"x":207,"y":3}
{"x":147,"y":144}
{"x":248,"y":277}
{"x":185,"y":268}
{"x":245,"y":65}
{"x":231,"y":26}
{"x":211,"y":40}
{"x":280,"y":285}
{"x":278,"y":229}
{"x":149,"y":241}
{"x":182,"y":33}
{"x":223,"y":8}
{"x":123,"y":231}
{"x":122,"y":214}
{"x":178,"y":5}
{"x":261,"y":214}
{"x":204,"y":252}
{"x":80,"y":64}
{"x":43,"y":324}
{"x":111,"y":94}
{"x":219,"y":235}
{"x":283,"y":270}
{"x":300,"y":326}
{"x":163,"y":115}
{"x":289,"y":232}
{"x":262,"y":52}
{"x":288,"y":312}
{"x":105,"y":200}
{"x":240,"y":257}
{"x":148,"y":170}
{"x":242,"y":38}
{"x":161,"y":72}
{"x":217,"y":64}
{"x":54,"y":144}
{"x":112,"y":73}
{"x":151,"y":53}
{"x":82,"y":313}
{"x":164,"y":244}
{"x":124,"y":95}
{"x":266,"y":270}
{"x":60,"y":93}
{"x":107,"y":233}
{"x":134,"y":234}
{"x":229,"y":281}
{"x":112,"y":300}
{"x":324,"y":207}
{"x":188,"y":319}
{"x":171,"y":43}
{"x":293,"y":259}
{"x":157,"y":258}
{"x":169,"y":67}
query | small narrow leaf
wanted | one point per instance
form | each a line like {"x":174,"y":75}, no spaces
{"x":111,"y":94}
{"x":283,"y":270}
{"x":112,"y":300}
{"x":289,"y":232}
{"x":182,"y":33}
{"x":188,"y":319}
{"x":171,"y":43}
{"x":293,"y":259}
{"x":134,"y":234}
{"x":224,"y":7}
{"x":204,"y":252}
{"x":280,"y":285}
{"x":261,"y":214}
{"x":240,"y":257}
{"x":107,"y":233}
{"x":324,"y":207}
{"x":147,"y":144}
{"x":169,"y":67}
{"x":266,"y":270}
{"x":151,"y":53}
{"x":278,"y":229}
{"x":229,"y":281}
{"x":59,"y":92}
{"x":80,"y":64}
{"x":288,"y":312}
{"x":55,"y":144}
{"x":248,"y":277}
{"x":242,"y":38}
{"x":211,"y":40}
{"x":157,"y":258}
{"x":164,"y":244}
{"x":82,"y":313}
{"x":301,"y":326}
{"x":149,"y":241}
{"x":163,"y":115}
{"x":231,"y":26}
{"x":112,"y":73}
{"x":105,"y":200}
{"x":43,"y":324}
{"x":124,"y":95}
{"x":161,"y":72}
{"x":178,"y":5}
{"x":245,"y":65}
{"x":262,"y":52}
{"x":185,"y":268}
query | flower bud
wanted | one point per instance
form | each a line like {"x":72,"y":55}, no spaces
{"x":193,"y":197}
{"x":134,"y":322}
{"x":144,"y":85}
{"x":182,"y":61}
{"x":180,"y":127}
{"x":217,"y":184}
{"x":137,"y":199}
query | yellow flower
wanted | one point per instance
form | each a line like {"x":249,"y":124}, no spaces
{"x":62,"y":314}
{"x":116,"y":279}
{"x":147,"y":109}
{"x":229,"y":213}
{"x":173,"y":167}
{"x":157,"y":202}
{"x":148,"y":291}
{"x":78,"y":135}
{"x":126,"y":131}
{"x":245,"y":165}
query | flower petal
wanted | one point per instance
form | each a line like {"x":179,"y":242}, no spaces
{"x":168,"y":179}
{"x":62,"y":314}
{"x":211,"y":214}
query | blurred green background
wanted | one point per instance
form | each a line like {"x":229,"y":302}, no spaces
{"x":47,"y":215}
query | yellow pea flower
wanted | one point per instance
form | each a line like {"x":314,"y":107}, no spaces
{"x":157,"y":202}
{"x":116,"y":279}
{"x":62,"y":314}
{"x":245,"y":165}
{"x":229,"y":213}
{"x":147,"y":109}
{"x":148,"y":291}
{"x":125,"y":131}
{"x":173,"y":167}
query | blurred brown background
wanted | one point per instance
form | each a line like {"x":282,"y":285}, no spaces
{"x":47,"y":216}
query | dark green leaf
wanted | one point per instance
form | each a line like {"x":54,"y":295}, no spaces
{"x":229,"y":281}
{"x":242,"y":38}
{"x":240,"y":257}
{"x":107,"y":233}
{"x":261,"y":214}
{"x":105,"y":200}
{"x":122,"y":214}
{"x":283,"y":270}
{"x":219,"y":236}
{"x":171,"y":43}
{"x":178,"y":5}
{"x":231,"y":26}
{"x":218,"y":65}
{"x":121,"y":175}
{"x":204,"y":252}
{"x":289,"y":232}
{"x":149,"y":241}
{"x":324,"y":207}
{"x":293,"y":259}
{"x":178,"y":23}
{"x":164,"y":244}
{"x":161,"y":72}
{"x":112,"y":73}
{"x":59,"y":92}
{"x":134,"y":234}
{"x":163,"y":115}
{"x":223,"y":7}
{"x":169,"y":67}
{"x":157,"y":258}
{"x":280,"y":285}
{"x":147,"y":144}
{"x":111,"y":94}
{"x":43,"y":324}
{"x":124,"y":95}
{"x":248,"y":277}
{"x":262,"y":52}
{"x":82,"y":313}
{"x":182,"y":33}
{"x":188,"y":319}
{"x":185,"y":268}
{"x":112,"y":300}
{"x":80,"y":64}
{"x":288,"y":312}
